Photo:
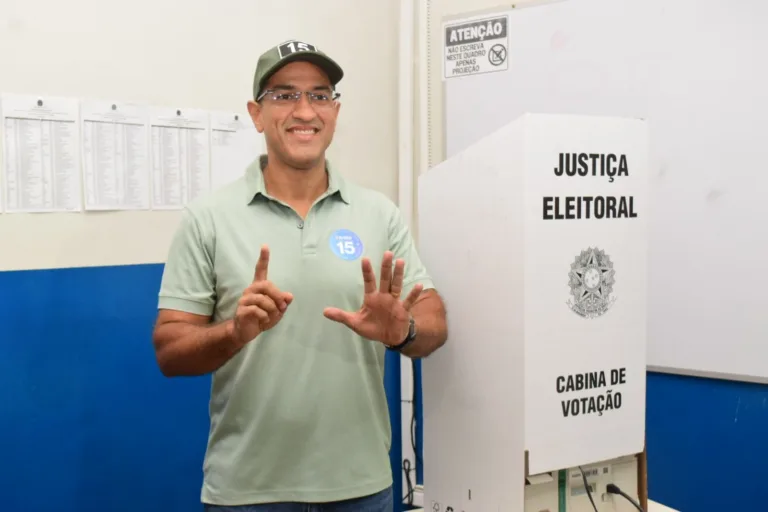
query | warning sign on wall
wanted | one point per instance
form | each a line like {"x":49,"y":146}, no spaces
{"x":476,"y":46}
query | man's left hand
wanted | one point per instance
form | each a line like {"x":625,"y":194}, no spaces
{"x":383,"y":316}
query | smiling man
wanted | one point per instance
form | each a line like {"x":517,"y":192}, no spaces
{"x":270,"y":287}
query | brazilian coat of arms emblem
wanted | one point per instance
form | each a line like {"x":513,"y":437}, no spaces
{"x":591,"y":281}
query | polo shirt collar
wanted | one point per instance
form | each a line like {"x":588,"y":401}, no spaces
{"x":254,"y":178}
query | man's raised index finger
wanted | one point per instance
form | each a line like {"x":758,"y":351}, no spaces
{"x":262,"y":265}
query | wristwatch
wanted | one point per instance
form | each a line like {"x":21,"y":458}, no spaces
{"x":408,"y":339}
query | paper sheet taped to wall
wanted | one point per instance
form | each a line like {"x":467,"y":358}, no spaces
{"x":41,"y":154}
{"x":180,"y":156}
{"x":115,"y":155}
{"x":234,"y":145}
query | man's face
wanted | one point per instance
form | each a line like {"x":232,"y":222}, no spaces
{"x":297,"y":132}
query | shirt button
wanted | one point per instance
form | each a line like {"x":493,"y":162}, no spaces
{"x":301,"y":224}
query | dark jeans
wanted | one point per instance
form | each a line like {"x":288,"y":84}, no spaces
{"x":379,"y":502}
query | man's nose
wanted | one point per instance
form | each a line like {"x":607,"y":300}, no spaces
{"x":303,"y":109}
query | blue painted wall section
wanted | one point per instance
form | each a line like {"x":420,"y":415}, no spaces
{"x":393,"y":389}
{"x":87,"y":422}
{"x":419,"y":424}
{"x":707,"y":443}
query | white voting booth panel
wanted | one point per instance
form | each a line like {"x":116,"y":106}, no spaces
{"x":537,"y":239}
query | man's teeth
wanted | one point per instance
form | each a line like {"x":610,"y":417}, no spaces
{"x":304,"y":132}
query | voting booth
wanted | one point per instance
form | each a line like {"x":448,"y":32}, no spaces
{"x":536,"y":236}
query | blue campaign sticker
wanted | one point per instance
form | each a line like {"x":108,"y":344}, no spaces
{"x":346,"y":244}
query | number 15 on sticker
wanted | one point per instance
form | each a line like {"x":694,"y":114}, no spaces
{"x":346,"y":245}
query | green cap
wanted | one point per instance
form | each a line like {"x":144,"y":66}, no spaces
{"x":292,"y":51}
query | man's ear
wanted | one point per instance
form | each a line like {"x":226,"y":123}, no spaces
{"x":254,"y":109}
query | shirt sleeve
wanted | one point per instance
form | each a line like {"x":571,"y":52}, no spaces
{"x":188,"y":282}
{"x":403,"y":246}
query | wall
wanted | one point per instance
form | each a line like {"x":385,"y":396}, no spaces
{"x":707,"y":443}
{"x":432,"y":121}
{"x":189,"y":54}
{"x":88,"y":423}
{"x":86,"y":420}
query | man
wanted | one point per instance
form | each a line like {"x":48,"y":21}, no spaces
{"x":270,"y":286}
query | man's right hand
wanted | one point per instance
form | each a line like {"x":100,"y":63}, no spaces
{"x":262,"y":305}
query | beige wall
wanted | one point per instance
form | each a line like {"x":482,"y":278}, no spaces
{"x":191,"y":54}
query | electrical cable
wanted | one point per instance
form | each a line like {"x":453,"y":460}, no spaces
{"x":586,"y":488}
{"x":409,"y":495}
{"x":614,"y":489}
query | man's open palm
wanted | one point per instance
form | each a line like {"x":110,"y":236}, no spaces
{"x":383,"y":316}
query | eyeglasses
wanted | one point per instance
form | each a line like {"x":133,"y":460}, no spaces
{"x":318,"y":99}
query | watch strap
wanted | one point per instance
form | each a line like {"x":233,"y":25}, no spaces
{"x":409,"y":338}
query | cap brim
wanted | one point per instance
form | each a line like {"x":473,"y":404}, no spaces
{"x":328,"y":65}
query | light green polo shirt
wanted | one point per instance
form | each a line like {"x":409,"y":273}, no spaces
{"x":300,"y":414}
